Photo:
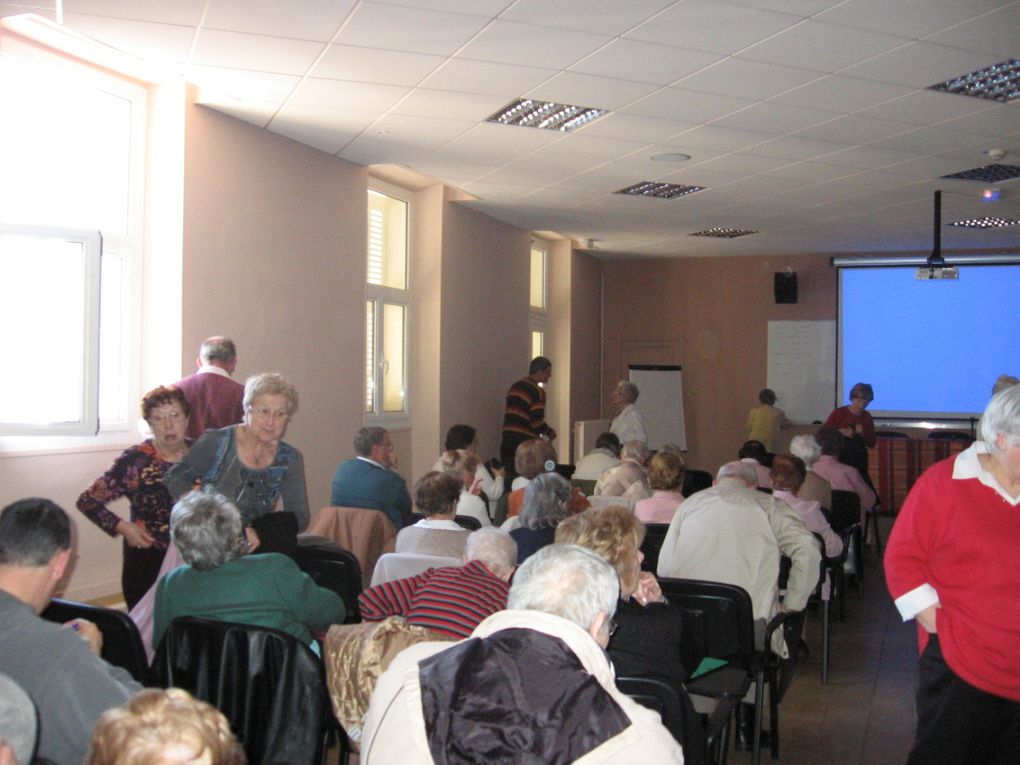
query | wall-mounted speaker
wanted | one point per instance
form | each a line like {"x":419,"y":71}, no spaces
{"x":786,"y":287}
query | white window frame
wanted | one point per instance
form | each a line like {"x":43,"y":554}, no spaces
{"x":538,"y":317}
{"x":380,"y":296}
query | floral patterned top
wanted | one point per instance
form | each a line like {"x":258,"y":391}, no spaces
{"x":138,"y":475}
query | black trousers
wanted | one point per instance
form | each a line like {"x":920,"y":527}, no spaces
{"x":958,"y":723}
{"x":507,"y":452}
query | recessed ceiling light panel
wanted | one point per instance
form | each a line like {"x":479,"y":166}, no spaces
{"x":527,"y":112}
{"x":724,"y":233}
{"x":659,"y":190}
{"x":985,"y":222}
{"x":988,"y":174}
{"x":999,"y":82}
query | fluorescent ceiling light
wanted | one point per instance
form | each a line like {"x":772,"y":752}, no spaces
{"x":659,"y":190}
{"x":985,"y":222}
{"x":988,"y":174}
{"x":999,"y":82}
{"x":527,"y":112}
{"x":724,"y":233}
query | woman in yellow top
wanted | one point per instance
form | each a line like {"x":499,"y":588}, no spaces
{"x":765,"y":420}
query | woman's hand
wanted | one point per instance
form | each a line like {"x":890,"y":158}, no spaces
{"x":253,"y":538}
{"x":476,"y":487}
{"x":648,"y":589}
{"x":926,"y":618}
{"x":848,"y":432}
{"x":135,"y":536}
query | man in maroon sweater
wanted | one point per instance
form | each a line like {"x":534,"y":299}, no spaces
{"x":214,"y":398}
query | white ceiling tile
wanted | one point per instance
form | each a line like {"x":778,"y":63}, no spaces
{"x":560,"y":196}
{"x":742,"y":163}
{"x":909,"y":18}
{"x":842,"y":94}
{"x":794,"y":7}
{"x":486,"y":77}
{"x":855,"y":128}
{"x":186,"y":12}
{"x":930,"y":140}
{"x":797,"y":147}
{"x":686,"y":105}
{"x":142,"y":39}
{"x":493,"y":191}
{"x":928,"y":107}
{"x":920,"y":65}
{"x":400,"y":139}
{"x":588,"y":90}
{"x":998,"y":32}
{"x":603,"y":17}
{"x":867,"y":157}
{"x":711,"y":25}
{"x":387,"y":67}
{"x":1000,"y":119}
{"x":496,"y":145}
{"x":510,"y":42}
{"x":326,"y":129}
{"x":256,"y":52}
{"x":375,"y":25}
{"x":718,"y":137}
{"x":809,"y":172}
{"x":775,"y":118}
{"x":254,"y":112}
{"x":307,"y":20}
{"x":631,"y":127}
{"x":644,"y":62}
{"x":471,"y":107}
{"x":747,"y":79}
{"x":595,"y":149}
{"x":475,"y":7}
{"x":927,"y":167}
{"x":244,"y":84}
{"x":338,"y":94}
{"x":822,"y":47}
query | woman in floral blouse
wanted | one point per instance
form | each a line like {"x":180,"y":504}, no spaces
{"x":138,"y":475}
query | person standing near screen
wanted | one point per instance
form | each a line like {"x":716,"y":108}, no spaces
{"x":858,"y":428}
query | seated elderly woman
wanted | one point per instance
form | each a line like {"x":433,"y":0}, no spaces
{"x":787,"y":478}
{"x":666,"y":479}
{"x":435,"y":496}
{"x":546,"y":503}
{"x":536,"y":457}
{"x":629,"y":478}
{"x":221,"y":582}
{"x":814,"y":487}
{"x":253,"y":466}
{"x":462,"y":465}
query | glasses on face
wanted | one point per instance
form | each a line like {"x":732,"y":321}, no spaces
{"x":265,"y":413}
{"x":174,"y":415}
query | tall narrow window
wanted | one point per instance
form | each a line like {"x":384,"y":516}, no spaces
{"x":537,"y":316}
{"x":386,"y":306}
{"x":537,"y":279}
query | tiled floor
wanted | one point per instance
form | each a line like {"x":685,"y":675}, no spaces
{"x":865,"y":714}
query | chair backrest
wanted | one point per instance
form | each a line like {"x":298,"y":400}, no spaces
{"x":655,"y":535}
{"x":845,"y":510}
{"x":727,"y":616}
{"x":467,"y":522}
{"x":334,"y":568}
{"x":695,"y":481}
{"x":951,"y":435}
{"x":268,"y":684}
{"x":365,"y":532}
{"x":597,"y":501}
{"x":402,"y":565}
{"x":122,"y":644}
{"x":587,"y":486}
{"x":675,"y":711}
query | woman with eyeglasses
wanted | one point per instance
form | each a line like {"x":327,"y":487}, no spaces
{"x":138,"y":475}
{"x":252,"y":466}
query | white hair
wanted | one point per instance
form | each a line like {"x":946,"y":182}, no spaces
{"x":629,"y":390}
{"x":805,"y":447}
{"x":742,"y":471}
{"x":1002,"y":415}
{"x":634,"y":450}
{"x":568,"y":581}
{"x":493,"y":547}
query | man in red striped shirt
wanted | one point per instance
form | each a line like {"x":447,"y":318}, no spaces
{"x":453,"y":600}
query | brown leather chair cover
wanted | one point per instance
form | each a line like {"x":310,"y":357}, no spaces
{"x":366,"y":533}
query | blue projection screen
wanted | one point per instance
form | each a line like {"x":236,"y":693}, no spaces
{"x":930,"y":348}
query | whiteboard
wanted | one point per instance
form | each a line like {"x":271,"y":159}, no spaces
{"x":661,"y":404}
{"x":802,"y":368}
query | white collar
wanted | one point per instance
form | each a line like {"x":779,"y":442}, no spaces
{"x":372,"y":462}
{"x":444,"y":525}
{"x":209,"y":369}
{"x":967,"y":465}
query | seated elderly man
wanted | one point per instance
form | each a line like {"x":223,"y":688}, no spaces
{"x":436,"y":495}
{"x":839,"y":475}
{"x":369,"y":480}
{"x":450,"y":601}
{"x":532,"y":684}
{"x":605,"y":455}
{"x":221,"y":582}
{"x":57,"y":666}
{"x":629,"y":478}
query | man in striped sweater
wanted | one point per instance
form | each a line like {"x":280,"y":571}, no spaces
{"x":524,"y":417}
{"x":453,"y":600}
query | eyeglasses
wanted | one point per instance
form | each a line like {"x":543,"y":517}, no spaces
{"x":173,"y":416}
{"x":265,"y":413}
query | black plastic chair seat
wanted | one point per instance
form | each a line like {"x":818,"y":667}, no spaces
{"x":122,"y":645}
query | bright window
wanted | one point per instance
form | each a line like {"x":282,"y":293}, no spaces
{"x":537,"y":279}
{"x":537,"y":316}
{"x":386,"y":306}
{"x":537,"y":343}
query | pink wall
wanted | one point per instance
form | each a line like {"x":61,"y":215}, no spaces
{"x":711,"y":317}
{"x":585,"y":338}
{"x":274,"y":257}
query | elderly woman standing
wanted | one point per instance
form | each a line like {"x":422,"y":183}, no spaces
{"x":627,"y":425}
{"x":951,"y":564}
{"x":138,"y":475}
{"x":546,"y":503}
{"x":251,"y":465}
{"x":221,"y":582}
{"x":857,"y":428}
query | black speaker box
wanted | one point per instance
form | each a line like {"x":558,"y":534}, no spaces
{"x":786,"y":287}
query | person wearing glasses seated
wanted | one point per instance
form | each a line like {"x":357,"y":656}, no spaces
{"x":252,"y":466}
{"x":220,"y":581}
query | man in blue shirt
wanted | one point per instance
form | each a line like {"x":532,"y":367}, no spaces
{"x":369,"y":480}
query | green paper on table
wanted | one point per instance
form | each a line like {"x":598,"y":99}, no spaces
{"x":707,"y":665}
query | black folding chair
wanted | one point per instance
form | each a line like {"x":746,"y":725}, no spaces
{"x":655,"y":535}
{"x":695,"y":481}
{"x":122,"y":645}
{"x":334,"y":568}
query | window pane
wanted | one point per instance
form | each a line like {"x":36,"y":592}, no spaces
{"x":537,"y":344}
{"x":393,"y":358}
{"x":537,"y":278}
{"x":71,"y":166}
{"x":369,"y":356}
{"x":387,"y":241}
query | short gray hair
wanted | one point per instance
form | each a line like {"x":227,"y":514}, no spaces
{"x":742,"y":471}
{"x":366,"y":438}
{"x":206,"y":527}
{"x":629,"y":390}
{"x":17,"y":719}
{"x":805,"y":447}
{"x":270,"y":384}
{"x":217,"y":348}
{"x":1002,"y":415}
{"x":545,"y":501}
{"x":567,"y":581}
{"x":1004,"y":381}
{"x":493,"y":547}
{"x":634,"y":450}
